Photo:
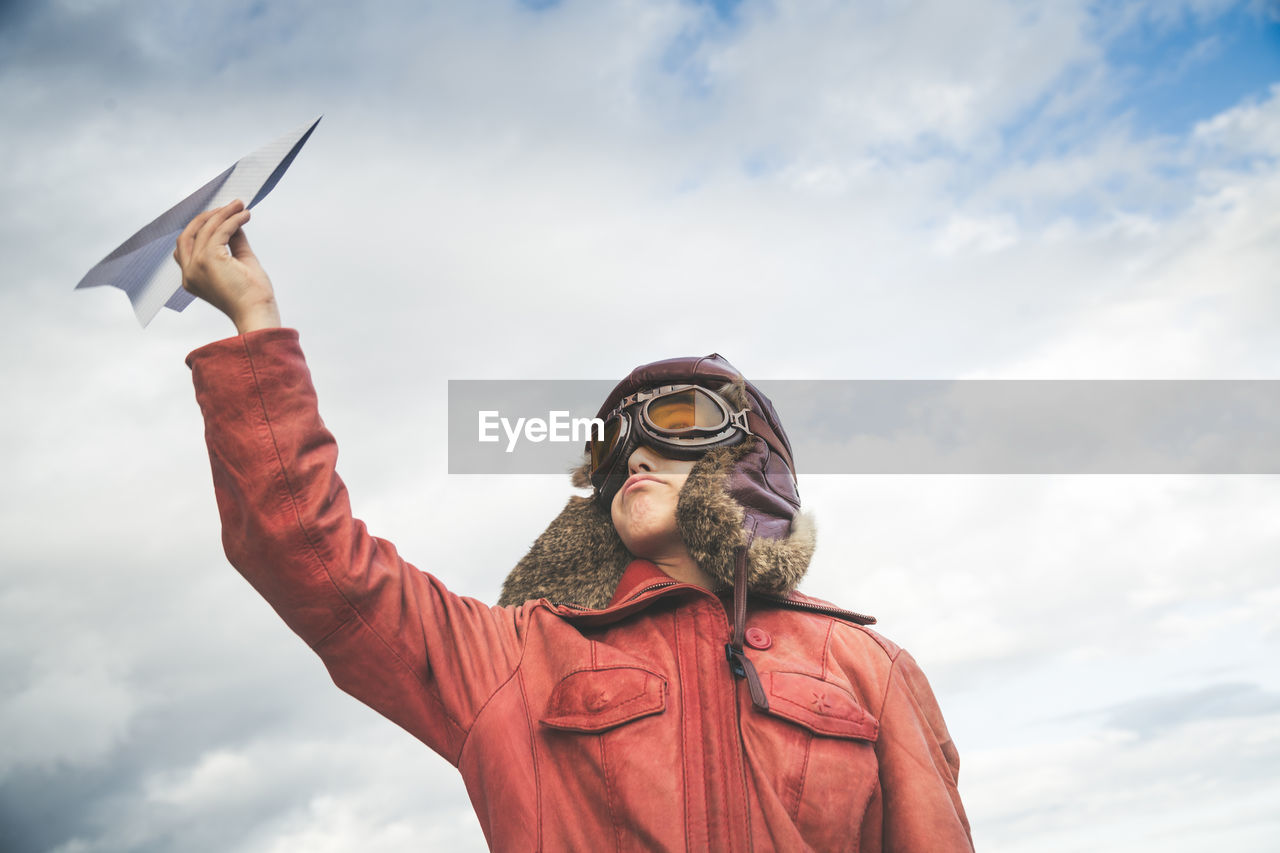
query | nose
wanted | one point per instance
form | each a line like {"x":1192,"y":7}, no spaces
{"x":643,"y":459}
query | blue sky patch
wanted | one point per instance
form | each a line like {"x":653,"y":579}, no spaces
{"x":724,"y":9}
{"x":1172,"y":76}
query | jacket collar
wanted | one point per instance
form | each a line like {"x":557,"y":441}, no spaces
{"x":638,"y":574}
{"x":641,"y":576}
{"x":642,"y":583}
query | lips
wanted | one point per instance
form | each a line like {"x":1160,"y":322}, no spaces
{"x":637,"y":479}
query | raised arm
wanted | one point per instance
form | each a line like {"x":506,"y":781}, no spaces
{"x":390,"y":635}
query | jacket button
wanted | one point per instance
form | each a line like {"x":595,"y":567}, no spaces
{"x":758,"y":638}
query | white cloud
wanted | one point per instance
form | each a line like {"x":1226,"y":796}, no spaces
{"x":219,"y":776}
{"x":72,"y":711}
{"x":1110,"y":791}
{"x":1249,"y":128}
{"x":963,"y":233}
{"x":825,"y":79}
{"x":829,"y":190}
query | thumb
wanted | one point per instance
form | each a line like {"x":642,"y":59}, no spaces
{"x":238,"y":245}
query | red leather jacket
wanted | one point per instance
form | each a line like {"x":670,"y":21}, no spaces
{"x":578,"y":730}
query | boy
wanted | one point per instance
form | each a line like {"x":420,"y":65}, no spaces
{"x":651,"y":679}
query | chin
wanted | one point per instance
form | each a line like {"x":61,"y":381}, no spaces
{"x":651,"y":544}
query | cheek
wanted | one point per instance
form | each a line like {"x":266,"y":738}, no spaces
{"x":631,"y":513}
{"x":615,"y":512}
{"x":643,"y":516}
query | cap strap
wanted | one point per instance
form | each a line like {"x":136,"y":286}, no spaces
{"x":760,"y":427}
{"x":739,"y":664}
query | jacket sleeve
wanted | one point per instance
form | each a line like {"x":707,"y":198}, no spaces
{"x":919,"y":768}
{"x":390,"y":635}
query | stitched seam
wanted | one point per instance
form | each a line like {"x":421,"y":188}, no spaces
{"x":466,"y":738}
{"x":267,"y":436}
{"x":830,"y":684}
{"x":582,"y":719}
{"x":725,"y":783}
{"x":826,"y":649}
{"x":823,"y":730}
{"x":871,"y":794}
{"x":640,"y":694}
{"x":804,"y":775}
{"x":622,"y":703}
{"x":684,"y":749}
{"x":818,"y":726}
{"x":320,"y":642}
{"x":737,"y":747}
{"x":310,"y":542}
{"x":533,"y":752}
{"x":740,"y":745}
{"x":877,"y":639}
{"x":612,"y":666}
{"x":888,"y":684}
{"x":794,"y":704}
{"x":610,"y":795}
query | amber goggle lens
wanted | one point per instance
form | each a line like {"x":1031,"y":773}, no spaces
{"x":685,"y":410}
{"x":672,"y":415}
{"x":600,"y":449}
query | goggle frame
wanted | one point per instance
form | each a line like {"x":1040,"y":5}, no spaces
{"x":675,"y":443}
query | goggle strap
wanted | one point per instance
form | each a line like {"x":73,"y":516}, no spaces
{"x":641,"y":396}
{"x":761,"y":429}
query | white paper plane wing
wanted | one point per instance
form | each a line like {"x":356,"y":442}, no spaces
{"x":138,"y":266}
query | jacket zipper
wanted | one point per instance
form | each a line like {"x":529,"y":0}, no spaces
{"x":576,"y":606}
{"x":652,"y":586}
{"x":858,"y":618}
{"x":851,"y":615}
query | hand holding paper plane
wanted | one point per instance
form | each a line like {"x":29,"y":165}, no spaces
{"x":139,"y":265}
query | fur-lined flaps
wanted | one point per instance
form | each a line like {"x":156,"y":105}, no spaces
{"x":778,"y":565}
{"x":580,"y":558}
{"x":709,"y":521}
{"x":580,"y":477}
{"x":735,"y":393}
{"x":577,"y":560}
{"x":711,"y":524}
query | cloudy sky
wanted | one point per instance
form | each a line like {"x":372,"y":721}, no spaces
{"x":555,"y":190}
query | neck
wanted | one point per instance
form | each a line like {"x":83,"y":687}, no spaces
{"x":683,"y":568}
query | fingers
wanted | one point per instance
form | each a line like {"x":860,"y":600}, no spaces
{"x":238,"y":243}
{"x":209,"y":233}
{"x":220,"y":234}
{"x":186,"y":240}
{"x":219,"y":267}
{"x":208,"y":227}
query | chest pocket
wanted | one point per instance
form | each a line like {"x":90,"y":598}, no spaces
{"x":595,"y":700}
{"x":819,"y":706}
{"x":817,"y":744}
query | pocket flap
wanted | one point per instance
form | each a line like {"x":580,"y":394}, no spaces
{"x":592,"y":700}
{"x":820,"y":706}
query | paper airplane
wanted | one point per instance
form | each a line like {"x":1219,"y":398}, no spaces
{"x":142,"y":266}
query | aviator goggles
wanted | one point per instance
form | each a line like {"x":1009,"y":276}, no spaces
{"x":678,"y":421}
